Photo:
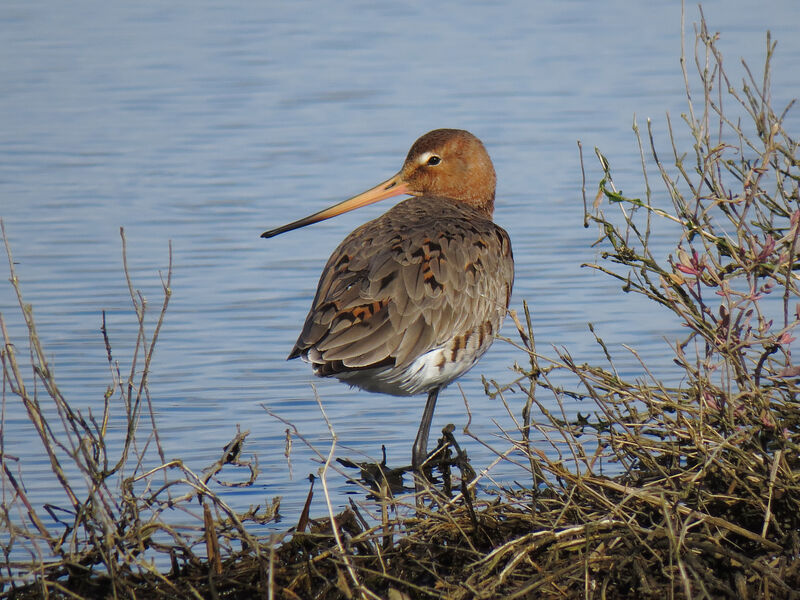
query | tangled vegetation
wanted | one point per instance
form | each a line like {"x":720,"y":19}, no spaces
{"x":704,"y":496}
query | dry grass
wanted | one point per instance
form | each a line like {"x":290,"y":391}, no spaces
{"x":117,"y":494}
{"x":704,"y":496}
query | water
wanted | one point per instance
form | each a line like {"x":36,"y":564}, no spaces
{"x":206,"y":124}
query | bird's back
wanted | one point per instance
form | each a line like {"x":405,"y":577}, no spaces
{"x":410,"y":300}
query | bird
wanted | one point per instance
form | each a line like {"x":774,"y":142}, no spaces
{"x":410,"y":301}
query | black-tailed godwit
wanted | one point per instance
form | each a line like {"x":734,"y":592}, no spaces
{"x":411,"y":300}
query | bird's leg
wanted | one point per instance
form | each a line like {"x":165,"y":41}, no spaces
{"x":419,"y":452}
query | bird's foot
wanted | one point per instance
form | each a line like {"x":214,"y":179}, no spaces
{"x":433,"y":475}
{"x":443,"y":458}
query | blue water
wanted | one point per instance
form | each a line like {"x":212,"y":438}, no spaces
{"x":204,"y":124}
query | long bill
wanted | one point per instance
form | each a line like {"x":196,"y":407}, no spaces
{"x":391,"y":187}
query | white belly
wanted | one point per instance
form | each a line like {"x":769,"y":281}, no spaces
{"x":434,"y":369}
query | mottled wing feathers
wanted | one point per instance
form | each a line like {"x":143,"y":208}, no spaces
{"x":428,"y":270}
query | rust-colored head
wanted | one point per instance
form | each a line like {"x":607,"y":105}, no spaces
{"x":451,"y":163}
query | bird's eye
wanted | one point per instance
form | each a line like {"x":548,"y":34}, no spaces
{"x":434,"y":160}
